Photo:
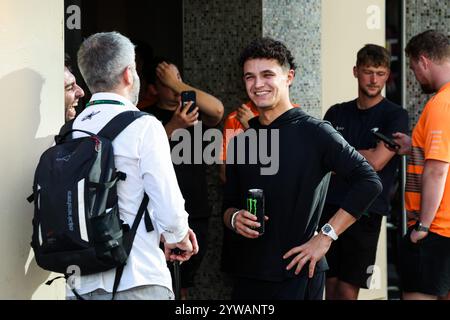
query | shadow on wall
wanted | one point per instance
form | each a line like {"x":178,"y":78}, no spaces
{"x":20,"y":92}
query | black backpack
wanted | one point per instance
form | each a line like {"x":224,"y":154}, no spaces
{"x":76,"y":215}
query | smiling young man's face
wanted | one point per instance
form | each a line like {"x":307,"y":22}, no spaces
{"x":267,"y":82}
{"x":72,"y":93}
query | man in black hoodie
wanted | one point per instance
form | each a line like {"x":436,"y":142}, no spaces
{"x":287,"y":261}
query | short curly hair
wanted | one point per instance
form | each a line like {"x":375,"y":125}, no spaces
{"x":431,"y":43}
{"x":268,"y":48}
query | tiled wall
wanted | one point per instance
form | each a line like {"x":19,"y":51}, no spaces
{"x":422,"y":15}
{"x":214,"y":32}
{"x":297,"y":23}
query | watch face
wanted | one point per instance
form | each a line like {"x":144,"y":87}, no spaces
{"x":327,"y":230}
{"x":420,"y":227}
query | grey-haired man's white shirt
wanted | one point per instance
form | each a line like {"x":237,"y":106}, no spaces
{"x":142,"y":152}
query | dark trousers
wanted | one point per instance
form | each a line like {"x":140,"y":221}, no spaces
{"x":188,"y":269}
{"x":298,"y":288}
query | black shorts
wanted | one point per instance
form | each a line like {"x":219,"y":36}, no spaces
{"x":188,"y":269}
{"x":297,"y":288}
{"x":352,"y":256}
{"x":425,"y":266}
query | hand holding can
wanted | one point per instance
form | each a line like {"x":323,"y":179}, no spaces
{"x":255,"y":205}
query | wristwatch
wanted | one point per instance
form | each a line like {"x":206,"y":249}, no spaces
{"x":420,"y":227}
{"x":328,"y":230}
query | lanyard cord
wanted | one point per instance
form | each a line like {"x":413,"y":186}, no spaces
{"x":95,"y":102}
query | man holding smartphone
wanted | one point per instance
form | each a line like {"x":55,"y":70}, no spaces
{"x":351,"y":256}
{"x":425,"y":251}
{"x":166,"y":83}
{"x":174,"y":110}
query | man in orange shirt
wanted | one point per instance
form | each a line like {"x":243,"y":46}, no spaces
{"x":425,"y":254}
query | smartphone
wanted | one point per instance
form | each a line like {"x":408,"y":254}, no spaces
{"x":187,"y":96}
{"x":385,"y":139}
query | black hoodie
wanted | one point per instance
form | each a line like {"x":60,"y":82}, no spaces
{"x":309,"y":150}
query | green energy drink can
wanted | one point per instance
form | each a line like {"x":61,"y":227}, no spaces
{"x":255,"y":205}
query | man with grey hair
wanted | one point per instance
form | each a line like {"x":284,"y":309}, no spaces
{"x":141,"y":151}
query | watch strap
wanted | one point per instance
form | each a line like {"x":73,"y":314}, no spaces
{"x":329,"y":231}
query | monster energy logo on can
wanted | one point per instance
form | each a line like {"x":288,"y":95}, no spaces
{"x":251,"y":205}
{"x":255,"y":205}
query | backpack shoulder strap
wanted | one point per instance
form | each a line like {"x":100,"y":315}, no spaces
{"x":130,"y":235}
{"x":115,"y":126}
{"x":66,"y":127}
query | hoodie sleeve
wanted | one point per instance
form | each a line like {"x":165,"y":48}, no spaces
{"x":232,"y":194}
{"x":342,"y":159}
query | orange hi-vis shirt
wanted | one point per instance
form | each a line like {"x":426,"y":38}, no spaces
{"x":430,"y":141}
{"x":232,"y":127}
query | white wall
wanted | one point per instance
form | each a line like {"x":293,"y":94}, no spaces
{"x":31,"y":91}
{"x":347,"y":25}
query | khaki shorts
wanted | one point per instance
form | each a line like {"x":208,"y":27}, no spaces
{"x":152,"y":292}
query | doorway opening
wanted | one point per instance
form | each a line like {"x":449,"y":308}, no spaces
{"x":155,"y":26}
